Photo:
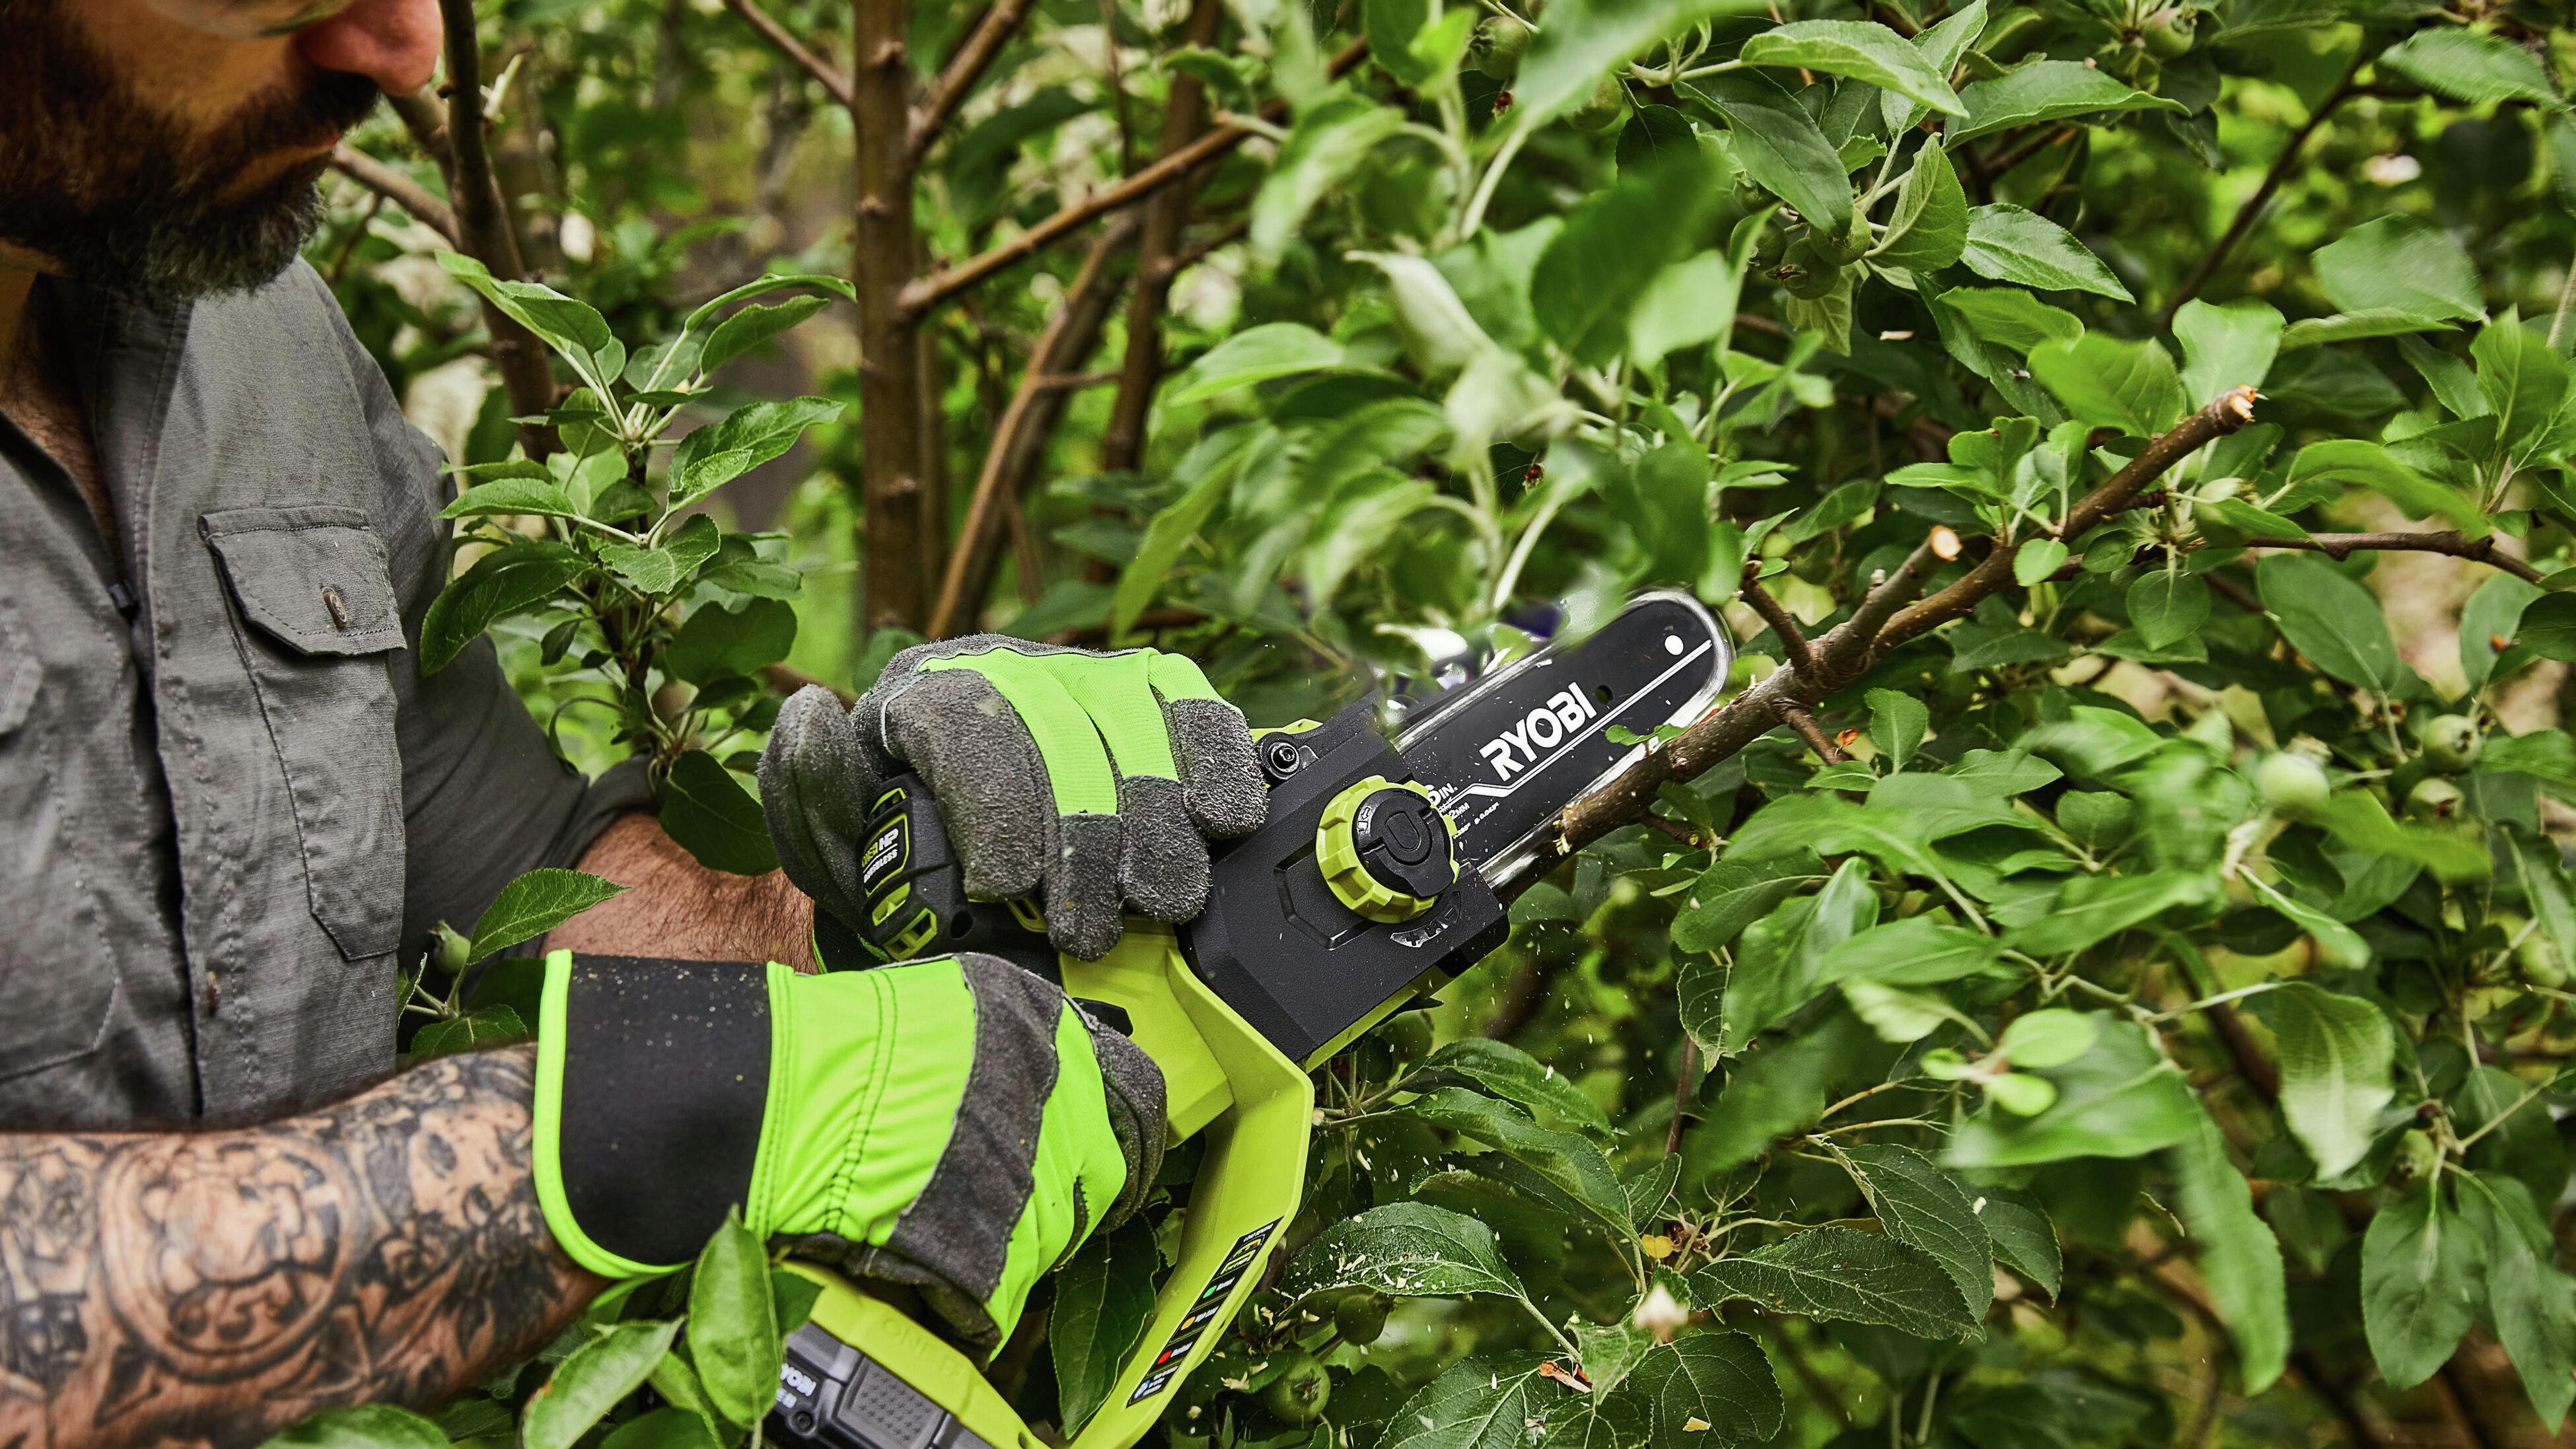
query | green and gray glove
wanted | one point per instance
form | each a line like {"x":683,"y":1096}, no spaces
{"x":841,"y":1115}
{"x":1092,"y":778}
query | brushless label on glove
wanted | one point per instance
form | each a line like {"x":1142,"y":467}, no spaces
{"x":887,"y":854}
{"x":1208,"y":1310}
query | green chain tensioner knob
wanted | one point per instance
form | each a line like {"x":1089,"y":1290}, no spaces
{"x":1385,"y":849}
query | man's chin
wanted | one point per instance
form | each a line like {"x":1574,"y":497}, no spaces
{"x":166,"y":256}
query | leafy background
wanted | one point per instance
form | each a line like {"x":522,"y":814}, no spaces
{"x":2103,"y":978}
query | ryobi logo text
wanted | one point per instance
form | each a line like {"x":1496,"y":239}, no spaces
{"x":1557,"y":718}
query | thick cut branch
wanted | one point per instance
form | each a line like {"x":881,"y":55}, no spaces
{"x":1882,"y":619}
{"x":930,"y":291}
{"x":483,"y":227}
{"x":780,"y":39}
{"x":2450,"y":541}
{"x":1122,"y":443}
{"x":2247,"y":214}
{"x":393,"y":185}
{"x":1031,"y":414}
{"x":949,"y":90}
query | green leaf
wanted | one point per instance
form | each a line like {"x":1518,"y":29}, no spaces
{"x":2359,"y":821}
{"x":1943,"y":46}
{"x":1778,"y":964}
{"x":1104,"y":1300}
{"x":2090,"y":909}
{"x":752,"y":326}
{"x":534,"y":904}
{"x":2130,"y":386}
{"x":2532,"y":1304}
{"x":1915,"y":951}
{"x":733,"y":1328}
{"x":1330,"y":141}
{"x":1927,"y":229}
{"x":1440,"y":335}
{"x":2122,"y":1099}
{"x":659,"y":571}
{"x":2354,"y":327}
{"x":2240,"y":1261}
{"x":1566,"y":1161}
{"x":2011,"y":318}
{"x":512,"y":496}
{"x":1863,"y":50}
{"x":509,"y":579}
{"x":2167,"y":605}
{"x":714,"y":818}
{"x":2010,"y":244}
{"x":1500,"y":1069}
{"x":1778,"y":144}
{"x":666,"y":1428}
{"x":2047,"y":90}
{"x":591,"y":1380}
{"x":1719,"y":1381}
{"x":1733,"y":894}
{"x":2023,"y":1235}
{"x":2400,"y":264}
{"x":2350,"y":461}
{"x":2036,"y":560}
{"x":1611,"y":248}
{"x":2336,"y":1052}
{"x":1688,"y":303}
{"x":2335,"y":622}
{"x":2548,"y":626}
{"x":361,"y":1426}
{"x":1475,"y":1404}
{"x":716,"y":642}
{"x":2418,"y":1267}
{"x":1921,"y":1205}
{"x":1583,"y":41}
{"x":763,"y":286}
{"x":1409,"y":1249}
{"x":1257,"y":354}
{"x":1777,"y":1090}
{"x":2225,"y":348}
{"x":1390,"y":26}
{"x":2471,"y":66}
{"x":2050,"y":1037}
{"x":1169,"y":532}
{"x":573,"y":328}
{"x":2524,"y":382}
{"x":1833,"y":1274}
{"x":1897,"y":724}
{"x":714,"y":455}
{"x":483,"y":1026}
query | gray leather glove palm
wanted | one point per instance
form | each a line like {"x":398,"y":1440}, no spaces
{"x":1093,"y":780}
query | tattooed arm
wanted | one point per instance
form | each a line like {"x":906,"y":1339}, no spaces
{"x":213,"y":1287}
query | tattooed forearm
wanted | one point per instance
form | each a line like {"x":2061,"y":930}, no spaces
{"x":211,"y":1288}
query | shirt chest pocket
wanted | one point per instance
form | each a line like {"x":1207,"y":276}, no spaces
{"x":314,"y":613}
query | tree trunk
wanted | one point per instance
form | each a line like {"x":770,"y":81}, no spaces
{"x":1123,"y":444}
{"x":894,"y":496}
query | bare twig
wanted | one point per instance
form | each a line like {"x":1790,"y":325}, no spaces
{"x":1122,"y":442}
{"x":1793,"y":640}
{"x":426,"y":118}
{"x":939,"y":286}
{"x":1883,"y":618}
{"x":2449,"y":541}
{"x":950,"y":88}
{"x":831,"y":77}
{"x":483,"y":227}
{"x":1796,"y":717}
{"x":1081,"y":312}
{"x":2247,"y":214}
{"x":783,"y":680}
{"x":392,"y":184}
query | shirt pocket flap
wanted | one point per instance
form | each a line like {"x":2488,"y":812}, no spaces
{"x":315,"y":579}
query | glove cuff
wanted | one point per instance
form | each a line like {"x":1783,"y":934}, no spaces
{"x":652,"y":1083}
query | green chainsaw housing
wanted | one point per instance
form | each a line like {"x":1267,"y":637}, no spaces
{"x":1236,"y":1007}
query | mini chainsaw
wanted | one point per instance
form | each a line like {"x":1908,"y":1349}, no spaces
{"x":1373,"y":880}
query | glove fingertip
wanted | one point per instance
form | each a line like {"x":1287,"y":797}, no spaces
{"x":1227,"y":793}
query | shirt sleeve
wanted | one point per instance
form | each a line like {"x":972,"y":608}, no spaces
{"x":485,"y":797}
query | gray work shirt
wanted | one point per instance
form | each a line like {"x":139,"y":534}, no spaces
{"x":229,"y":804}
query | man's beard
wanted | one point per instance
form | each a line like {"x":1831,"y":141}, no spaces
{"x":121,"y":197}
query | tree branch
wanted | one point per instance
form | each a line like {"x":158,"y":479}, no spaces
{"x":426,"y":118}
{"x":483,"y":227}
{"x":1793,"y":640}
{"x":1122,"y":443}
{"x":394,"y":185}
{"x":2448,"y":541}
{"x":1072,"y":331}
{"x":927,"y":292}
{"x":2253,"y":207}
{"x":831,"y":77}
{"x":1882,"y":619}
{"x":949,"y":89}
